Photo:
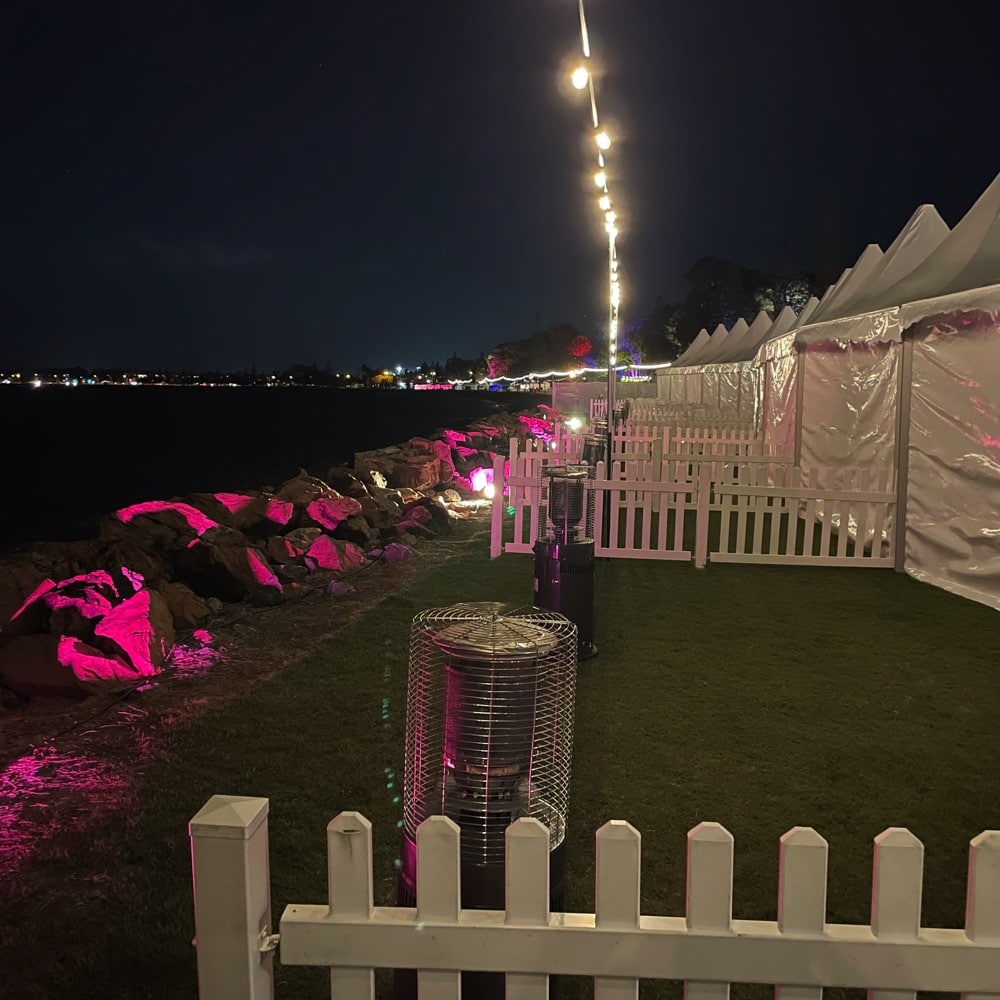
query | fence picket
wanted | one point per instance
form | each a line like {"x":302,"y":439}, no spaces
{"x":631,"y":502}
{"x":982,"y":908}
{"x":527,"y":896}
{"x":802,"y":870}
{"x":438,"y":897}
{"x":350,"y":894}
{"x":709,"y":895}
{"x":897,"y":882}
{"x":616,"y":896}
{"x":847,"y":481}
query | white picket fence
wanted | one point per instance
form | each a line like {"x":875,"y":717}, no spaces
{"x":617,"y":945}
{"x":747,"y":506}
{"x":652,"y":411}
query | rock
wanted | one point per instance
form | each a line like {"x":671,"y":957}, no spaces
{"x":333,"y":554}
{"x":337,"y":588}
{"x":17,"y":582}
{"x":330,"y":509}
{"x":451,"y":496}
{"x":281,"y":550}
{"x":302,"y":489}
{"x":186,"y":608}
{"x":139,"y":630}
{"x":159,"y":525}
{"x":346,"y":482}
{"x":61,"y":665}
{"x":441,"y":450}
{"x":357,"y":529}
{"x":292,"y":573}
{"x":416,"y":472}
{"x":224,"y":566}
{"x":131,"y":565}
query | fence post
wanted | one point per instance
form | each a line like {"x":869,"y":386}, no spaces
{"x":496,"y":511}
{"x":232,"y":899}
{"x":702,"y":514}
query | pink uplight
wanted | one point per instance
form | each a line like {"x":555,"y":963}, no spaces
{"x":481,"y":478}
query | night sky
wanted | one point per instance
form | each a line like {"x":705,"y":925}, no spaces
{"x":209,"y":184}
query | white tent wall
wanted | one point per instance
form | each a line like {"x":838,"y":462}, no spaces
{"x":952,"y":457}
{"x":777,"y":364}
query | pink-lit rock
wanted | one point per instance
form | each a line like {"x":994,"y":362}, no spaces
{"x":234,"y":502}
{"x":61,"y":665}
{"x":280,"y":550}
{"x":331,"y":509}
{"x":198,"y":522}
{"x":441,"y":450}
{"x":261,"y":570}
{"x":279,"y":511}
{"x":466,"y":452}
{"x":332,"y":554}
{"x":17,"y":582}
{"x":453,"y":437}
{"x":140,"y":630}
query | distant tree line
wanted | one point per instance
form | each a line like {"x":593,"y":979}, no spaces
{"x":720,"y":291}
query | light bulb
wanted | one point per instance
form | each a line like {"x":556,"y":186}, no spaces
{"x":603,"y":140}
{"x":610,"y":216}
{"x":580,"y":77}
{"x":604,"y":202}
{"x":601,"y":179}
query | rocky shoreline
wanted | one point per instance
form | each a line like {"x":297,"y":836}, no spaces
{"x":104,"y":614}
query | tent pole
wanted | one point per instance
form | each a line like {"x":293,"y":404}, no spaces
{"x":905,"y":392}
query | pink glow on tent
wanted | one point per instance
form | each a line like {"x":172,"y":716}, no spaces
{"x":481,"y":478}
{"x":45,"y":791}
{"x":262,"y":572}
{"x":196,"y":520}
{"x":279,"y":511}
{"x":234,"y":502}
{"x":43,"y":588}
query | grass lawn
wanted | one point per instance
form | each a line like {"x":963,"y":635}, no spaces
{"x":760,"y":697}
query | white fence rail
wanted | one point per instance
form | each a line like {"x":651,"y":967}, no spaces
{"x":746,"y":506}
{"x":706,"y":947}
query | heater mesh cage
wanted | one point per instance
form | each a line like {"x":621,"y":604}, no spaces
{"x":489,"y":722}
{"x":566,"y":501}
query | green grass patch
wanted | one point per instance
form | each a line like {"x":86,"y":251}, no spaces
{"x":760,"y":697}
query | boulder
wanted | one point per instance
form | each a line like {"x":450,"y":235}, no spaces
{"x":330,"y":509}
{"x":139,"y":630}
{"x":223,"y":565}
{"x":357,"y":529}
{"x":186,"y":608}
{"x":333,"y":554}
{"x":302,"y":489}
{"x":346,"y":482}
{"x":61,"y":665}
{"x":17,"y":582}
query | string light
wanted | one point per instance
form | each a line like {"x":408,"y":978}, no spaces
{"x":584,"y":77}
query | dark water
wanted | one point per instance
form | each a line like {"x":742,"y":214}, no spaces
{"x":71,"y":455}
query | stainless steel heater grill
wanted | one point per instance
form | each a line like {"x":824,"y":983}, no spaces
{"x":489,"y":722}
{"x":489,"y":739}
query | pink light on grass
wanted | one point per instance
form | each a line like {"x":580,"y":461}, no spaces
{"x":46,"y":792}
{"x":198,"y":522}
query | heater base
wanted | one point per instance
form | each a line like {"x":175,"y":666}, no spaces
{"x":483,"y":888}
{"x":564,"y":583}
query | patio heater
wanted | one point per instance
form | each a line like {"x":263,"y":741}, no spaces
{"x":489,"y":739}
{"x":564,"y":557}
